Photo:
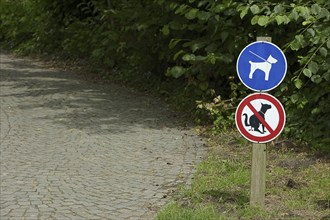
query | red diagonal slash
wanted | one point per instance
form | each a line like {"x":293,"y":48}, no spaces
{"x":261,"y":119}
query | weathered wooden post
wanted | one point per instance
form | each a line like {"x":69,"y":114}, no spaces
{"x":258,"y":166}
{"x":258,"y":175}
{"x":261,"y":66}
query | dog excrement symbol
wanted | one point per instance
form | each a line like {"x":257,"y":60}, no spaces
{"x":264,"y":66}
{"x":254,"y":122}
{"x":260,"y":117}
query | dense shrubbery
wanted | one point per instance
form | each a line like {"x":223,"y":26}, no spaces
{"x":193,"y":41}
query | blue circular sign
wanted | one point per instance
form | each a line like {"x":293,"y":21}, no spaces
{"x":261,"y":66}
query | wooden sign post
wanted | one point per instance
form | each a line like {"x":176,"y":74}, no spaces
{"x":258,"y":167}
{"x":258,"y":175}
{"x":261,"y":66}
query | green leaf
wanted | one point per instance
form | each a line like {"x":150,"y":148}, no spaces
{"x":311,"y":31}
{"x":286,"y":19}
{"x":315,"y":9}
{"x":166,"y":30}
{"x":255,"y":9}
{"x":316,"y":79}
{"x":283,"y":87}
{"x":191,"y":14}
{"x":328,"y":44}
{"x":189,"y":57}
{"x":196,"y":46}
{"x":173,"y":43}
{"x":298,"y":83}
{"x":177,"y":54}
{"x":300,"y":39}
{"x":176,"y":71}
{"x":323,"y":51}
{"x":203,"y":15}
{"x":200,"y":58}
{"x":294,"y":98}
{"x":294,"y":15}
{"x":295,"y":45}
{"x":280,"y":19}
{"x":307,"y":73}
{"x":212,"y":58}
{"x":181,"y":9}
{"x":304,"y":12}
{"x":316,"y":110}
{"x":278,"y":9}
{"x":244,"y":12}
{"x":263,"y":20}
{"x":324,"y":13}
{"x":313,"y":67}
{"x":255,"y":19}
{"x":219,"y":8}
{"x":306,"y":22}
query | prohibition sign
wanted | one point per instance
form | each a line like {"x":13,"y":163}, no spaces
{"x":260,"y":117}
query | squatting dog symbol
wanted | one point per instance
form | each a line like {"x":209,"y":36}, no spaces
{"x":254,"y":122}
{"x":263,"y":66}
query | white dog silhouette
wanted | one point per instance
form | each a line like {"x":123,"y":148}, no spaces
{"x":263,"y":66}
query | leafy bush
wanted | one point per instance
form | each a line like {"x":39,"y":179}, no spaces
{"x":195,"y":43}
{"x":217,"y":31}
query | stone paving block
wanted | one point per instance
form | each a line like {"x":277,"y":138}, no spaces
{"x":61,"y":217}
{"x":5,"y":211}
{"x":18,"y":213}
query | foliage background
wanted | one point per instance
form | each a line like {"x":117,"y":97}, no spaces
{"x":191,"y":45}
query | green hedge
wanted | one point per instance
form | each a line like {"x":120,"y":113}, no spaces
{"x":194,"y":42}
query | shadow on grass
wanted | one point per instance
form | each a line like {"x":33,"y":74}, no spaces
{"x":225,"y":197}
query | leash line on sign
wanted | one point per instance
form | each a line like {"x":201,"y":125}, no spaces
{"x":259,"y":56}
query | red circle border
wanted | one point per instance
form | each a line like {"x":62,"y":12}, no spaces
{"x":277,"y":130}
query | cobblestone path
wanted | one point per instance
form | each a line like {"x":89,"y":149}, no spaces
{"x":72,"y":149}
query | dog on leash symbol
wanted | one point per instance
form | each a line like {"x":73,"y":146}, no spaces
{"x":263,"y":66}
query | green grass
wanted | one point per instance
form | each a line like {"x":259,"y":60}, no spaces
{"x":174,"y":211}
{"x":297,"y":185}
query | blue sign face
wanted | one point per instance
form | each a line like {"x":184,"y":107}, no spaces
{"x":261,"y":66}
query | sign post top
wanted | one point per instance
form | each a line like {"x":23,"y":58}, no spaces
{"x":268,"y":39}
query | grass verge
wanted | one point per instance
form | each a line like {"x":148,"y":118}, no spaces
{"x":297,"y":185}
